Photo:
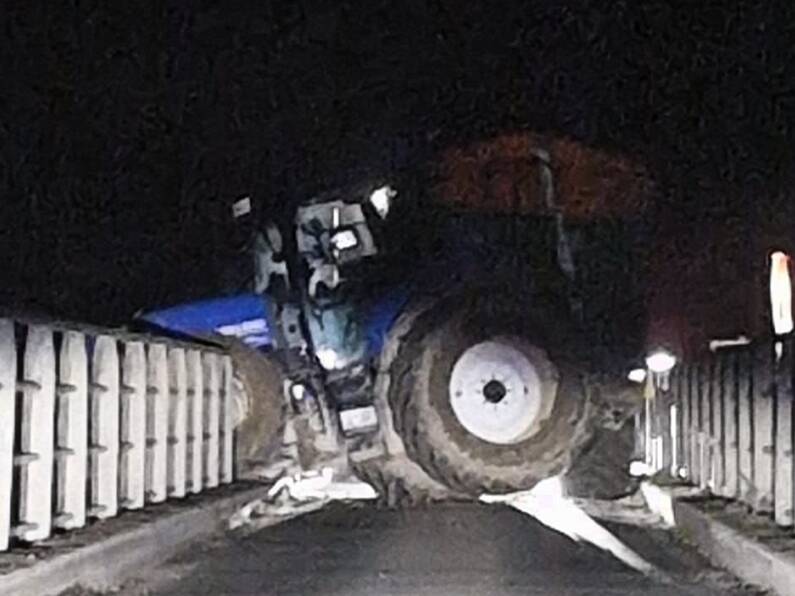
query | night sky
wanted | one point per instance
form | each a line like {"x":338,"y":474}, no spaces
{"x":127,"y":128}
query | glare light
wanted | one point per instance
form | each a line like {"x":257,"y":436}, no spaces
{"x":381,"y":198}
{"x":344,"y":239}
{"x":298,"y":391}
{"x":328,"y":358}
{"x":661,"y":361}
{"x":781,"y":293}
{"x":637,"y":375}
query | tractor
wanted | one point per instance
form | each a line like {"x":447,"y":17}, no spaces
{"x":447,"y":333}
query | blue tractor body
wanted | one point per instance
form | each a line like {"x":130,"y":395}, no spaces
{"x":251,"y":318}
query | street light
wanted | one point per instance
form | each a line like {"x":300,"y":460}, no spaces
{"x":660,"y":361}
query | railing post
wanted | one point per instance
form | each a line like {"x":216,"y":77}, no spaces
{"x":730,"y":439}
{"x":38,"y":435}
{"x":227,"y":421}
{"x":684,"y":417}
{"x":783,"y":466}
{"x":196,"y":420}
{"x":745,"y":423}
{"x":665,"y":398}
{"x":177,"y":432}
{"x":104,"y":440}
{"x":133,"y":426}
{"x":72,"y":432}
{"x":157,"y":423}
{"x":695,"y":425}
{"x":639,"y":452}
{"x":675,"y":414}
{"x":763,"y":389}
{"x":8,"y":419}
{"x":705,"y":437}
{"x":648,"y":442}
{"x":717,"y":442}
{"x":211,"y":423}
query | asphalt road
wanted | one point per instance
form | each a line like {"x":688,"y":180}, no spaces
{"x":454,"y":549}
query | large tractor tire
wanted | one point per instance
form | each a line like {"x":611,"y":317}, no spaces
{"x":488,"y":394}
{"x":260,"y":433}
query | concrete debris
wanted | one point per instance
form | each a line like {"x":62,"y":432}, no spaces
{"x":547,"y":504}
{"x":300,"y":493}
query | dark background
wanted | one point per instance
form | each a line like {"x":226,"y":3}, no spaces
{"x":126,"y":128}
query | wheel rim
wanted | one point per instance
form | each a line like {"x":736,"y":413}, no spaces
{"x":496,"y":392}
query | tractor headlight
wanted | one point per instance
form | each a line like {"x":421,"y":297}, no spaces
{"x":344,"y":240}
{"x":328,"y":358}
{"x":381,"y":200}
{"x":298,"y":391}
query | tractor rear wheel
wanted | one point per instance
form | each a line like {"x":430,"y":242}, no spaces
{"x":487,"y":395}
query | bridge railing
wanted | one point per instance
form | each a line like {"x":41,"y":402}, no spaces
{"x":725,"y":424}
{"x":93,"y":422}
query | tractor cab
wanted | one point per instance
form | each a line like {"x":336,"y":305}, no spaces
{"x":316,"y":276}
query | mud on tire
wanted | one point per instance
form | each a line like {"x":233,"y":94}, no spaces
{"x":420,"y":401}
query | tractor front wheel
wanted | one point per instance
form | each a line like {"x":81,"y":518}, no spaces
{"x":260,"y":433}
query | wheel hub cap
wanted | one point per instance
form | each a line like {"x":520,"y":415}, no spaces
{"x":495,"y":392}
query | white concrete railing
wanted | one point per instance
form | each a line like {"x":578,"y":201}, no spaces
{"x":94,"y":422}
{"x":726,"y":425}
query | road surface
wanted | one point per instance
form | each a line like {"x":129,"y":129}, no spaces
{"x":452,"y":549}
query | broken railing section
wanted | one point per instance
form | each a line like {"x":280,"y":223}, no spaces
{"x":94,"y":422}
{"x":725,"y":425}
